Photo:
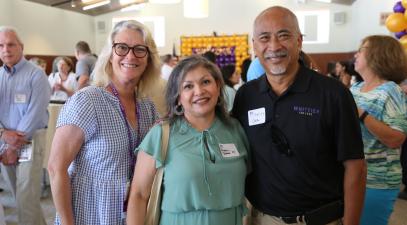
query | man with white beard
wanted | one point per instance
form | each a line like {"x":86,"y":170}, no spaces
{"x":307,"y":153}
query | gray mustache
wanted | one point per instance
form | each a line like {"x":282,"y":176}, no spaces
{"x":275,"y":54}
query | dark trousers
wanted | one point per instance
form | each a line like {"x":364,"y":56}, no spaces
{"x":403,"y":160}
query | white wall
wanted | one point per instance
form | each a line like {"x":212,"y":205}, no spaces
{"x":46,"y":30}
{"x":233,"y":16}
{"x":52,"y":31}
{"x":366,"y":21}
{"x":4,"y":18}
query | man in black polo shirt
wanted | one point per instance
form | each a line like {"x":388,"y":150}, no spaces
{"x":303,"y":128}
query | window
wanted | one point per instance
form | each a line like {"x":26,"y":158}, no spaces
{"x":314,"y":25}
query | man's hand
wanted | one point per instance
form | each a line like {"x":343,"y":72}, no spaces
{"x":14,"y":138}
{"x":10,"y":156}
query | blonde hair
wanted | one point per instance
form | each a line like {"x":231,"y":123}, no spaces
{"x":103,"y":71}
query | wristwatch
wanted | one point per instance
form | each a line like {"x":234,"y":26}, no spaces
{"x":1,"y":131}
{"x":363,"y":116}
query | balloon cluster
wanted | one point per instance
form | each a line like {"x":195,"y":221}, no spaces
{"x":229,"y":49}
{"x":397,"y":22}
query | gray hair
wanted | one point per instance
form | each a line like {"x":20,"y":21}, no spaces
{"x":9,"y":29}
{"x":103,"y":69}
{"x":177,"y":76}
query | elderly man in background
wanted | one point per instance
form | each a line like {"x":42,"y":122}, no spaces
{"x":24,"y":97}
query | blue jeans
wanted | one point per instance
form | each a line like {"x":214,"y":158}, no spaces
{"x":378,"y":206}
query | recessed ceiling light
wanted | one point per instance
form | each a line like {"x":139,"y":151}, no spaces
{"x":95,"y":5}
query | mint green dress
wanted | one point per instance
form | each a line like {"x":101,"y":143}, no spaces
{"x":202,"y":184}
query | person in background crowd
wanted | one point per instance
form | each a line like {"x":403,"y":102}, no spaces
{"x":298,"y":176}
{"x":207,"y":157}
{"x":308,"y":62}
{"x":168,"y":63}
{"x":211,"y":56}
{"x":91,"y":160}
{"x":245,"y":67}
{"x":85,"y":64}
{"x":63,"y":82}
{"x":24,"y":97}
{"x":255,"y":70}
{"x":382,"y":109}
{"x":39,"y":62}
{"x":231,"y":77}
{"x":54,"y":68}
{"x":342,"y":71}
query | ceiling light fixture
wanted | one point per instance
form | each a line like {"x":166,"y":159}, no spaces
{"x":196,"y":8}
{"x":164,"y":1}
{"x":135,"y":7}
{"x":126,"y":2}
{"x":95,"y":5}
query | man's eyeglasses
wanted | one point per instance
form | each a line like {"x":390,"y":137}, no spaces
{"x":279,"y":141}
{"x":139,"y":51}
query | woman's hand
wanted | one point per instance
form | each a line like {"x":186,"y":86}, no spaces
{"x":59,"y":87}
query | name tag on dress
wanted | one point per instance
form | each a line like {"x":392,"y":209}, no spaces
{"x":20,"y":98}
{"x":256,"y":116}
{"x":26,"y":153}
{"x":228,"y":150}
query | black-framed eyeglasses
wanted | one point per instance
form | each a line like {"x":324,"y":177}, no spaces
{"x":280,"y":141}
{"x":122,"y":49}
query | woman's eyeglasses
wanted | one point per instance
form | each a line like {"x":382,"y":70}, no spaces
{"x":279,"y":141}
{"x":139,"y":51}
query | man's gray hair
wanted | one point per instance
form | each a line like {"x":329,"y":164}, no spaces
{"x":9,"y":29}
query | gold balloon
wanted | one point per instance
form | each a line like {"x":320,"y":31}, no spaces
{"x":396,"y":22}
{"x":403,"y":41}
{"x":404,"y":3}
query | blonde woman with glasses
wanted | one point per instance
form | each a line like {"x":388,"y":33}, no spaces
{"x":92,"y":159}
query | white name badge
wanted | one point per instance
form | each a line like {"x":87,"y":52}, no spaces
{"x":228,"y":150}
{"x":257,"y":116}
{"x":20,"y":98}
{"x":26,"y":153}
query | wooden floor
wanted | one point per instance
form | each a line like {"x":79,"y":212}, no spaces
{"x":399,"y":216}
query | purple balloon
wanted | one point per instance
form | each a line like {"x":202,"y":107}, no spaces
{"x":400,"y":34}
{"x":398,"y":8}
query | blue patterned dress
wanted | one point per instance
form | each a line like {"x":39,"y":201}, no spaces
{"x":387,"y":104}
{"x":103,"y":165}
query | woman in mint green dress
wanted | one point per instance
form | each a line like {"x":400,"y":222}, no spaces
{"x":206,"y":163}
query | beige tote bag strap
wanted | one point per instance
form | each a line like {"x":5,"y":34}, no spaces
{"x":164,"y":139}
{"x":154,"y":203}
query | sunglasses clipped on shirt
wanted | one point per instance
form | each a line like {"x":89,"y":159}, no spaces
{"x":280,"y":141}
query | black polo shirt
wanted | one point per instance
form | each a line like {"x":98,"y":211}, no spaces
{"x":319,"y":120}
